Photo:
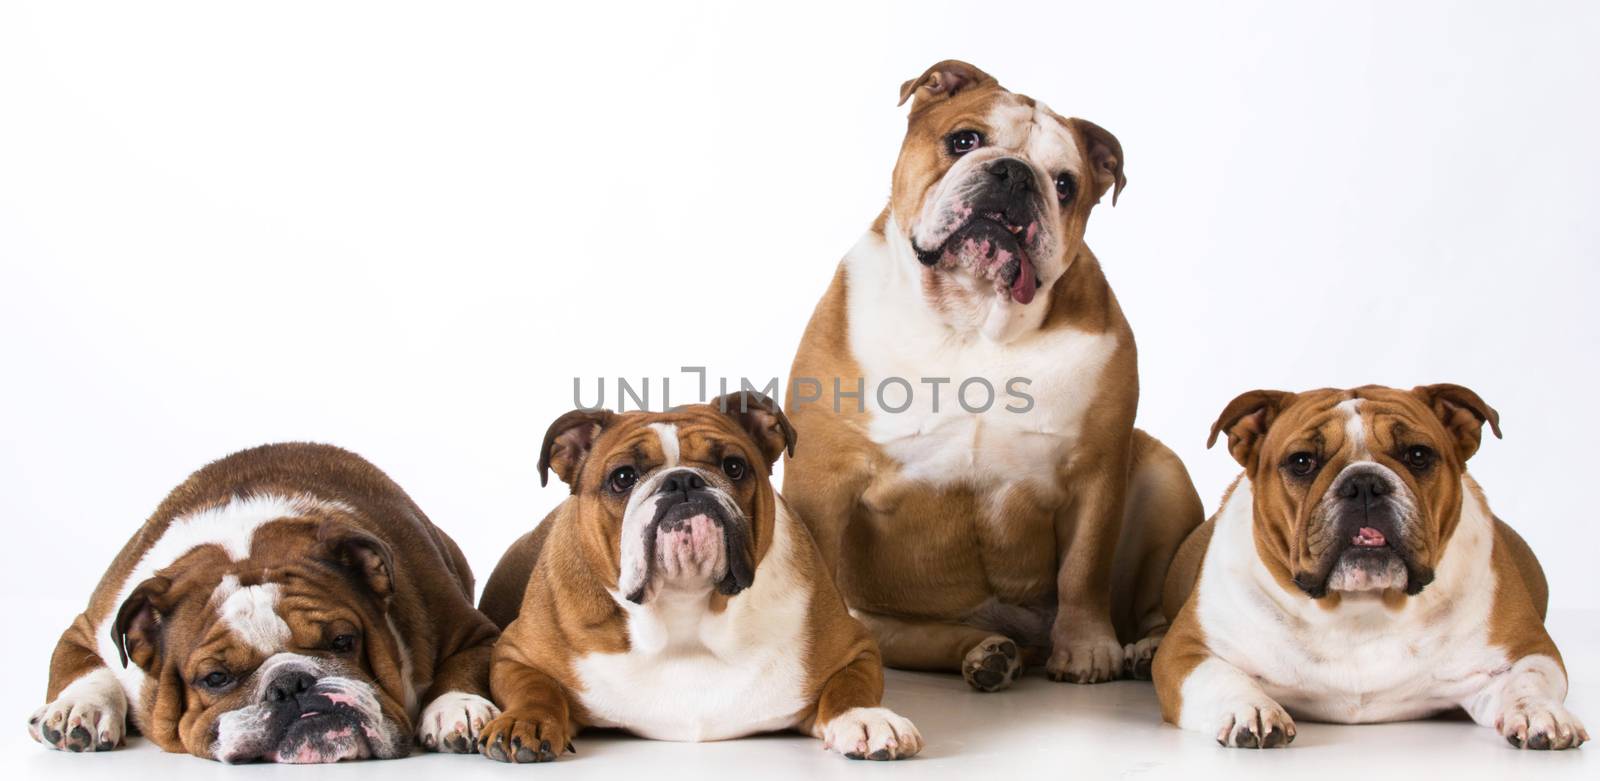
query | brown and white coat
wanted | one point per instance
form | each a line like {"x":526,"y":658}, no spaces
{"x":1355,"y":573}
{"x":677,"y":596}
{"x":1032,"y":530}
{"x":286,"y":603}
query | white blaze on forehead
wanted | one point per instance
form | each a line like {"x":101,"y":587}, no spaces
{"x":1051,"y":144}
{"x":251,"y":613}
{"x":231,"y":526}
{"x":1354,"y":429}
{"x":668,"y":433}
{"x":1034,"y":133}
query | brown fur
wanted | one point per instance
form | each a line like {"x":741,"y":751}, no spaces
{"x":395,"y":548}
{"x":922,"y":560}
{"x":551,"y":587}
{"x":1265,"y":427}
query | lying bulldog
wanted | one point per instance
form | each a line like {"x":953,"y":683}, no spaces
{"x":676,"y":596}
{"x":284,"y":604}
{"x":1354,"y":573}
{"x":973,"y":475}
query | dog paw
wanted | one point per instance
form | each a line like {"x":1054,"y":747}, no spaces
{"x":1138,"y":657}
{"x":89,"y":715}
{"x":453,"y":722}
{"x":525,"y":736}
{"x":872,"y":733}
{"x":1263,"y":725}
{"x":1095,"y":661}
{"x":992,"y":664}
{"x":1542,"y":725}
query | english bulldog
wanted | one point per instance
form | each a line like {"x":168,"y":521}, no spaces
{"x":675,"y":595}
{"x":287,"y":603}
{"x":967,"y":533}
{"x":1355,"y":573}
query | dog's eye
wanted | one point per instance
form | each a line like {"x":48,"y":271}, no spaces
{"x":217,"y":681}
{"x":963,"y":141}
{"x":343,"y":644}
{"x":1419,"y":457}
{"x":735,"y":468}
{"x":622,"y":479}
{"x":1066,"y":187}
{"x":1301,"y":464}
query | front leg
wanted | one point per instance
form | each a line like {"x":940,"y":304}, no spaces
{"x":1202,"y":692}
{"x":536,"y":725}
{"x":1524,"y":705}
{"x":850,"y":718}
{"x":1084,"y":647}
{"x":87,"y":708}
{"x":458,"y":706}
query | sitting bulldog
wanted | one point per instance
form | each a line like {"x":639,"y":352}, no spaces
{"x":284,"y":604}
{"x":676,"y":596}
{"x":1355,"y":573}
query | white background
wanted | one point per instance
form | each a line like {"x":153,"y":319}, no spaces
{"x":404,"y":229}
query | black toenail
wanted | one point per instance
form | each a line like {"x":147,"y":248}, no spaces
{"x":1274,"y":738}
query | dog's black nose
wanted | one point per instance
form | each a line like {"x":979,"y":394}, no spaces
{"x":1364,"y":488}
{"x":682,"y":482}
{"x":289,"y":686}
{"x":1013,"y":174}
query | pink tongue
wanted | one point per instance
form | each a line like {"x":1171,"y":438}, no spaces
{"x":1023,"y":288}
{"x":1368,"y":537}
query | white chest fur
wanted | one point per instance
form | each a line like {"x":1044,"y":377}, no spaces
{"x":1360,"y":662}
{"x":691,"y":674}
{"x":935,"y":439}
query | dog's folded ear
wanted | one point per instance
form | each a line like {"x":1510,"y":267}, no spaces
{"x":1105,"y":158}
{"x":136,"y":632}
{"x":761,"y":418}
{"x":1246,"y":420}
{"x":567,"y":443}
{"x":1463,"y":414}
{"x":941,"y":81}
{"x":364,"y":556}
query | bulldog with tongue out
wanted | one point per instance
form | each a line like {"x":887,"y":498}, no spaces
{"x":1355,"y":573}
{"x":973,"y":533}
{"x":676,"y":596}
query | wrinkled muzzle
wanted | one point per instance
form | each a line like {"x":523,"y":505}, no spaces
{"x":1365,"y":534}
{"x":305,"y":710}
{"x":680,"y":530}
{"x":989,"y":219}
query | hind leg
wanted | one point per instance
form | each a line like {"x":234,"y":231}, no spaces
{"x":988,"y":661}
{"x":1160,"y":510}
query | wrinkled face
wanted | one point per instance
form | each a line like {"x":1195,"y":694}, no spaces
{"x":289,"y":657}
{"x":992,"y":191}
{"x":1355,"y":491}
{"x":670,"y":503}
